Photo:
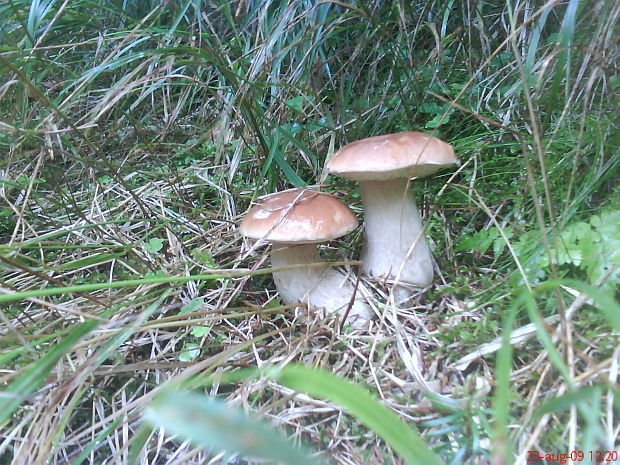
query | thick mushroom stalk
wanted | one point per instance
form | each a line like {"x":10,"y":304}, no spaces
{"x":295,"y":221}
{"x":395,"y":246}
{"x":318,"y":286}
{"x":392,"y":226}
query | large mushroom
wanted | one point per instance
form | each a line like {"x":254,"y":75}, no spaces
{"x":395,"y":245}
{"x":295,"y":221}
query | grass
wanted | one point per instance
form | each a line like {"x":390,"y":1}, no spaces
{"x":134,"y":136}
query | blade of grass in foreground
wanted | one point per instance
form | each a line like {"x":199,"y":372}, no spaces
{"x":12,"y":397}
{"x":19,"y":390}
{"x":403,"y":438}
{"x":220,"y":274}
{"x":98,"y":440}
{"x":211,"y":423}
{"x":501,"y":401}
{"x":609,"y":308}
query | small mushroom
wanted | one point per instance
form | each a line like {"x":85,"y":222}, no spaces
{"x":392,"y":224}
{"x":295,"y":221}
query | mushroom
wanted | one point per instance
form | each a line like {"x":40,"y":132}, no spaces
{"x":295,"y":221}
{"x":392,"y":224}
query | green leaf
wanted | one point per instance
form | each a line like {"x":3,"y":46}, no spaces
{"x":155,"y":244}
{"x":192,"y":306}
{"x":154,"y":274}
{"x":274,"y":303}
{"x":288,"y":171}
{"x":126,"y":283}
{"x":199,"y":331}
{"x":430,"y":108}
{"x":296,"y":103}
{"x":204,"y":257}
{"x":139,"y":439}
{"x":7,"y":356}
{"x":499,"y":244}
{"x":189,"y":352}
{"x":592,"y":246}
{"x":403,"y":438}
{"x":210,"y":423}
{"x":480,"y":241}
{"x":437,"y":121}
{"x":13,"y":396}
{"x":501,"y":400}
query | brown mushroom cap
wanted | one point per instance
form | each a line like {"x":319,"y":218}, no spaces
{"x":298,"y":216}
{"x":400,"y":155}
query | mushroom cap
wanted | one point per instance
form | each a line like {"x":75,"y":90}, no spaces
{"x":400,"y":155}
{"x":298,"y":216}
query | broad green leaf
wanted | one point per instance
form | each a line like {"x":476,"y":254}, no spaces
{"x":593,"y":246}
{"x":479,"y":241}
{"x":296,"y":103}
{"x":499,"y":244}
{"x":204,"y":257}
{"x":189,"y":352}
{"x":155,"y":244}
{"x":192,"y":306}
{"x":199,"y":331}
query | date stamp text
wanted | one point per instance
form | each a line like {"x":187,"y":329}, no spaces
{"x":574,"y":456}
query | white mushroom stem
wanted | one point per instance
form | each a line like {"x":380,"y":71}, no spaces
{"x":318,"y":286}
{"x":392,"y":226}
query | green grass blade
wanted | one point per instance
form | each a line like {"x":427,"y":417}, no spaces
{"x":601,"y":300}
{"x":38,"y":10}
{"x":566,"y":401}
{"x":403,"y":438}
{"x":19,"y":390}
{"x":212,"y":423}
{"x":300,"y":145}
{"x":137,"y":443}
{"x":6,"y":357}
{"x":563,"y":61}
{"x":545,"y":338}
{"x":533,"y":46}
{"x":125,"y":283}
{"x":89,"y":261}
{"x":288,"y":171}
{"x":501,"y":402}
{"x":98,"y":440}
{"x":182,"y":10}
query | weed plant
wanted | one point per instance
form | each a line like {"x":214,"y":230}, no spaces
{"x":135,"y":134}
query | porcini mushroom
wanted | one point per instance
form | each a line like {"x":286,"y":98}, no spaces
{"x":295,"y":221}
{"x":392,"y":224}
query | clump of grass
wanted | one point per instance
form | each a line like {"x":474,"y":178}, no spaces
{"x":135,"y":134}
